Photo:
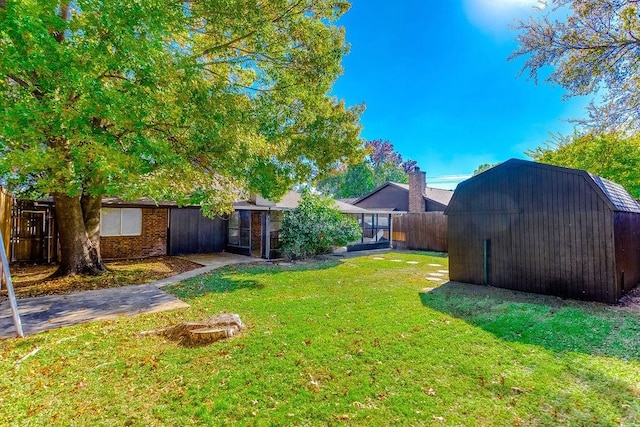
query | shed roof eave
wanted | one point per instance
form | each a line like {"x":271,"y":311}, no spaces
{"x":598,"y":184}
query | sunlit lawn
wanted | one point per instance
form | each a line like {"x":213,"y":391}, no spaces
{"x":341,"y":342}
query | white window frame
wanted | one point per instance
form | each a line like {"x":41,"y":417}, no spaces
{"x":123,"y":218}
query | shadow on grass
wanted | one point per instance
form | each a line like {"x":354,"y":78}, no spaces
{"x":556,"y":324}
{"x":241,"y":277}
{"x":421,"y":252}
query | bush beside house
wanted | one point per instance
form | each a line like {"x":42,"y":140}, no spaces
{"x":315,"y":227}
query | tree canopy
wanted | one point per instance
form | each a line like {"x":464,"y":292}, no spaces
{"x":381,"y":164}
{"x":189,"y":101}
{"x":611,"y":156}
{"x":593,"y":47}
{"x":483,"y":167}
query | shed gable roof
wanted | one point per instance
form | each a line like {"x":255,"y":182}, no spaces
{"x":614,"y":195}
{"x":618,"y":195}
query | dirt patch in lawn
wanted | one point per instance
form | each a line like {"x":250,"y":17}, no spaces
{"x":33,"y":280}
{"x":632,"y":299}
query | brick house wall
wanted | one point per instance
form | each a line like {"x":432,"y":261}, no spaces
{"x":151,"y":242}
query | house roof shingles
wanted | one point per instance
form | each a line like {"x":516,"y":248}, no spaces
{"x":291,"y":199}
{"x":349,"y":200}
{"x":617,"y":194}
{"x":436,"y":194}
{"x":288,"y":202}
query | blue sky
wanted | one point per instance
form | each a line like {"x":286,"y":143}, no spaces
{"x":437,"y":84}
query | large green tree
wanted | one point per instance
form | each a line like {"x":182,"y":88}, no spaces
{"x":612,"y":156}
{"x":194,"y":101}
{"x":484,"y":167}
{"x":381,"y":164}
{"x":593,"y":46}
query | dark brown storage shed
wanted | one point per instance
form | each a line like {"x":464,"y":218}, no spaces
{"x":545,"y":229}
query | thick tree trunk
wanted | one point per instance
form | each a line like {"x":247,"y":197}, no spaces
{"x":78,"y":254}
{"x":91,"y":216}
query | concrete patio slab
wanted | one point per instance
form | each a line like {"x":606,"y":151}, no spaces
{"x":49,"y":312}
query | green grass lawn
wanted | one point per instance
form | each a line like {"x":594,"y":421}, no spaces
{"x":352,"y":342}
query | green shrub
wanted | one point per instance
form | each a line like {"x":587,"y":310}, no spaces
{"x":315,"y":227}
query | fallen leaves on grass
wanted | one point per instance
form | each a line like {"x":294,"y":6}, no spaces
{"x":342,"y":417}
{"x":34,"y":280}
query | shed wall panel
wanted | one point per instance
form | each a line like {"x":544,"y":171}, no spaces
{"x":627,"y":242}
{"x":550,"y":233}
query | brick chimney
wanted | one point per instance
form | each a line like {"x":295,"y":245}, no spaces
{"x":417,"y":186}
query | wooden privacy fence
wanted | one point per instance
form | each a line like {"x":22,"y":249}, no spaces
{"x":424,"y":231}
{"x":5,"y":218}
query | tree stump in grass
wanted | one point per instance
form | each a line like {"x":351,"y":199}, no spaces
{"x":204,"y":332}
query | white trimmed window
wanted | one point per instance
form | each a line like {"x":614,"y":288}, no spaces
{"x":120,"y":221}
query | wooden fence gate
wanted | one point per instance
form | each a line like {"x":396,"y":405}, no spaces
{"x":423,"y":231}
{"x":33,"y":233}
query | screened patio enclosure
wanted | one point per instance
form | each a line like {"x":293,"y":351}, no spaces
{"x":376,"y":231}
{"x":254,"y":227}
{"x":255,"y":233}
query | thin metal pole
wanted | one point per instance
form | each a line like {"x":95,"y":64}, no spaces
{"x":390,"y":219}
{"x":267,"y":234}
{"x":12,"y":295}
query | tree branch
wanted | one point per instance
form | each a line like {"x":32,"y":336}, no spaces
{"x":64,"y":15}
{"x":26,"y":85}
{"x":252,"y":32}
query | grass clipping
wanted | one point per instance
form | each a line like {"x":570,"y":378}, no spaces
{"x":204,"y":332}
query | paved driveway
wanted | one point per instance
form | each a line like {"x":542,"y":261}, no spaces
{"x":42,"y":313}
